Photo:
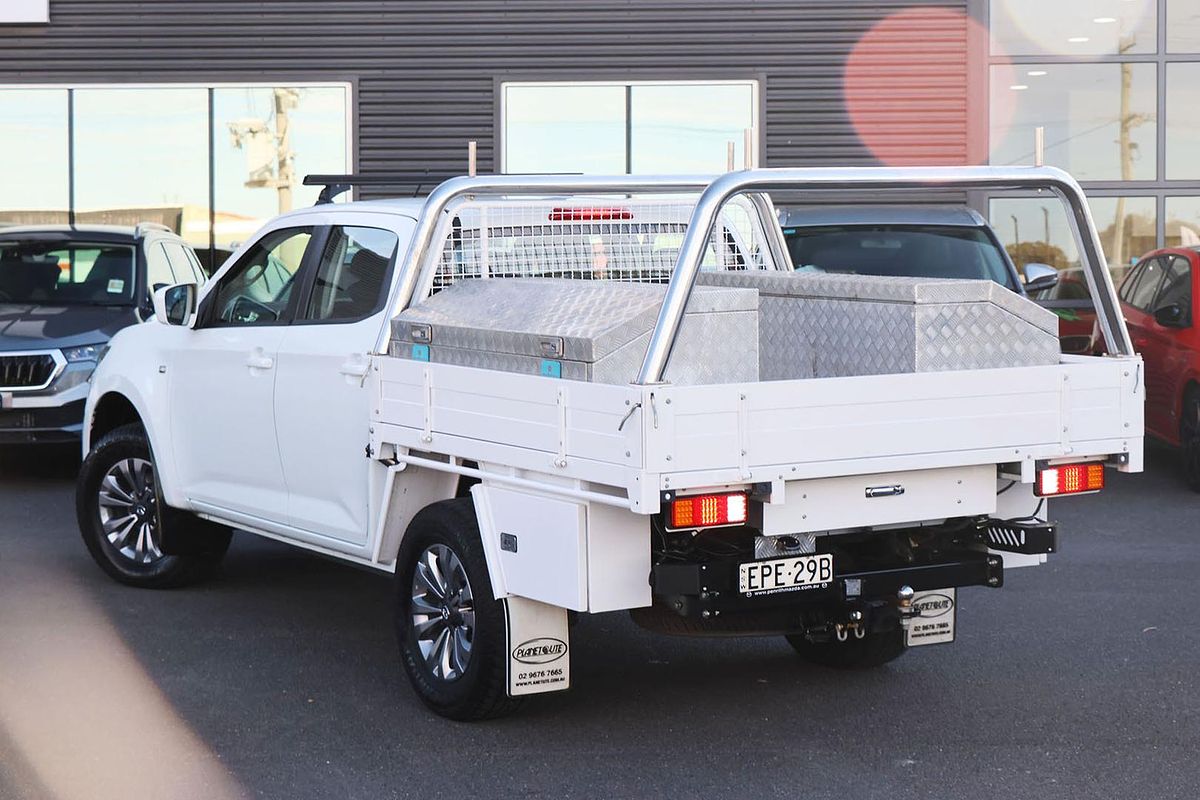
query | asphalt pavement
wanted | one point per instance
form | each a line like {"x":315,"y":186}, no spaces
{"x":279,"y":679}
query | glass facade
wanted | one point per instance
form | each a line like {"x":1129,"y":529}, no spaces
{"x":1183,"y":121}
{"x":212,"y":162}
{"x":263,"y":133}
{"x":1073,"y":27}
{"x":1183,"y":221}
{"x":1099,"y":119}
{"x":1035,"y":230}
{"x":1183,"y":26}
{"x":1112,"y":83}
{"x":616,"y":128}
{"x":33,"y":143}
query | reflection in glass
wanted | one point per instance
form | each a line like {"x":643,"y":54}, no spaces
{"x":1035,"y":230}
{"x":686,"y":128}
{"x":1183,"y":121}
{"x":265,"y":140}
{"x":1127,"y":230}
{"x":578,"y":128}
{"x":1183,"y":26}
{"x":1099,"y":118}
{"x":1073,"y":27}
{"x":1183,"y":222}
{"x":33,"y":156}
{"x":142,"y":155}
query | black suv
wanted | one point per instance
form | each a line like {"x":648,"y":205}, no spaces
{"x":64,"y":292}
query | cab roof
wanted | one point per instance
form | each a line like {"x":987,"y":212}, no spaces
{"x":125,"y":234}
{"x":958,"y":216}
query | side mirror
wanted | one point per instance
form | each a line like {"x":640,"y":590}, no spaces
{"x":1171,"y":316}
{"x":1039,"y":277}
{"x":174,"y":305}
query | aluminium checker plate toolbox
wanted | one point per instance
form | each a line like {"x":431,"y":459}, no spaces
{"x":580,"y":330}
{"x":835,"y":325}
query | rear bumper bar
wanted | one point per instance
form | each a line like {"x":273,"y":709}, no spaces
{"x":692,"y":589}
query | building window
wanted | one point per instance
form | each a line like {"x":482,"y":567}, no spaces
{"x":142,"y":153}
{"x":635,"y":127}
{"x":1183,"y":26}
{"x":1183,"y":121}
{"x":1183,"y":221}
{"x":1118,"y":113}
{"x":265,"y":140}
{"x":1036,"y":230}
{"x":1073,"y":27}
{"x":33,"y":142}
{"x":1099,"y":119}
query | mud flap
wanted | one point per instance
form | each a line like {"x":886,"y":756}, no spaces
{"x":539,"y":651}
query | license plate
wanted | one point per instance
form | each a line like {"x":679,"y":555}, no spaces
{"x":785,"y":574}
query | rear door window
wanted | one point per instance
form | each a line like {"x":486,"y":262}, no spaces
{"x":1142,"y":294}
{"x":352,"y":275}
{"x":1176,"y":288}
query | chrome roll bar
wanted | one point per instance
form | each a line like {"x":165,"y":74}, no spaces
{"x":700,"y":227}
{"x":715,"y":192}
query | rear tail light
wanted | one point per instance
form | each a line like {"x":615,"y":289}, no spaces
{"x":1070,"y":479}
{"x":708,"y":510}
{"x":589,"y":214}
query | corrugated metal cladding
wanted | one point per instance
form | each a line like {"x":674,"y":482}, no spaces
{"x":426,"y":71}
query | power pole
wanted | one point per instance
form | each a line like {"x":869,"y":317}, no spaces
{"x":285,"y":175}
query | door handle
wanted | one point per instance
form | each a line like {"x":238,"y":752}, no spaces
{"x":259,"y":360}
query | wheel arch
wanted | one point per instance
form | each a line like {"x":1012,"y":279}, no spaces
{"x":113,"y":409}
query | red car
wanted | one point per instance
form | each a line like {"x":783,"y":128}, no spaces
{"x":1157,"y":298}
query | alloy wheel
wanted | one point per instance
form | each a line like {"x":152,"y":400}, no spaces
{"x":129,"y":511}
{"x":443,"y":612}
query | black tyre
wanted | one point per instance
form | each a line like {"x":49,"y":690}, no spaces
{"x":873,"y":650}
{"x":1189,"y":433}
{"x":122,"y":517}
{"x":449,"y":625}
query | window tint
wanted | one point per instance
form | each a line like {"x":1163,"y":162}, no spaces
{"x":1144,"y":292}
{"x":158,"y":268}
{"x":352,"y":274}
{"x":1176,"y":286}
{"x":54,"y":274}
{"x":927,"y":251}
{"x":256,"y":291}
{"x":1135,"y":275}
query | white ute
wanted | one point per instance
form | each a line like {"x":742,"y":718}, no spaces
{"x":530,"y":396}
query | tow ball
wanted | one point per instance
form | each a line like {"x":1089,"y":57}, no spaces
{"x":904,"y":605}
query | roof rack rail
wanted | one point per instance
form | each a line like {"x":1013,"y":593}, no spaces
{"x":338,"y":184}
{"x":142,"y":227}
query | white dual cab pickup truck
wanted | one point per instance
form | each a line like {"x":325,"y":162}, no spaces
{"x":528,"y":399}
